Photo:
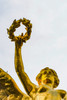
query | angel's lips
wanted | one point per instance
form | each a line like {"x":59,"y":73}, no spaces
{"x":47,"y":81}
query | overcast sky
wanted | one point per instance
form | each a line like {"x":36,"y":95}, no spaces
{"x":47,"y":46}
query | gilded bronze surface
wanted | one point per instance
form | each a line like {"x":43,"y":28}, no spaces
{"x":47,"y":78}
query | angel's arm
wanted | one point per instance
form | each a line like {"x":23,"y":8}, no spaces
{"x":19,"y":67}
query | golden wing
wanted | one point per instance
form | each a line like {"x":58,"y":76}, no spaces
{"x":9,"y":89}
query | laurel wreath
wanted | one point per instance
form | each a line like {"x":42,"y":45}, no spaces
{"x":16,"y":24}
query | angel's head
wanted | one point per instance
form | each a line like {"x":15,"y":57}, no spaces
{"x":48,"y":77}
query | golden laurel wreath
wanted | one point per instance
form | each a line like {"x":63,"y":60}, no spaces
{"x":15,"y":25}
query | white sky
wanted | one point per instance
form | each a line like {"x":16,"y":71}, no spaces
{"x":48,"y":43}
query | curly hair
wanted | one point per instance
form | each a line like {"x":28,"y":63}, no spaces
{"x":56,"y":79}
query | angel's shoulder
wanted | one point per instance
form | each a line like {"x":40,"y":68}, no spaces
{"x":61,"y":92}
{"x":65,"y":98}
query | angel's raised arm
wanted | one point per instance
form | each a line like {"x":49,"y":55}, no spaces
{"x":19,"y":67}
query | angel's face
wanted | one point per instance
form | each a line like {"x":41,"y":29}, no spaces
{"x":47,"y":78}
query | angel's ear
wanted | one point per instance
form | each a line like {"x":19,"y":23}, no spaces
{"x":62,"y":93}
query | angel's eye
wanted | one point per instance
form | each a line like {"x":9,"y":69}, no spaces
{"x":49,"y":72}
{"x":45,"y":72}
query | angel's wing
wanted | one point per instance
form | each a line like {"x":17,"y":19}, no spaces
{"x":9,"y":89}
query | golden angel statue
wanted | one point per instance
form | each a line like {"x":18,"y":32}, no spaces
{"x":47,"y":78}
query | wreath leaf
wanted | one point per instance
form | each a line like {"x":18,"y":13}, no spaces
{"x":16,"y":24}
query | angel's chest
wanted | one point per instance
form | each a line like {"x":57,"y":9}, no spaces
{"x":49,"y":95}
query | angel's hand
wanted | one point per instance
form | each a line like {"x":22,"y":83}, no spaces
{"x":18,"y":42}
